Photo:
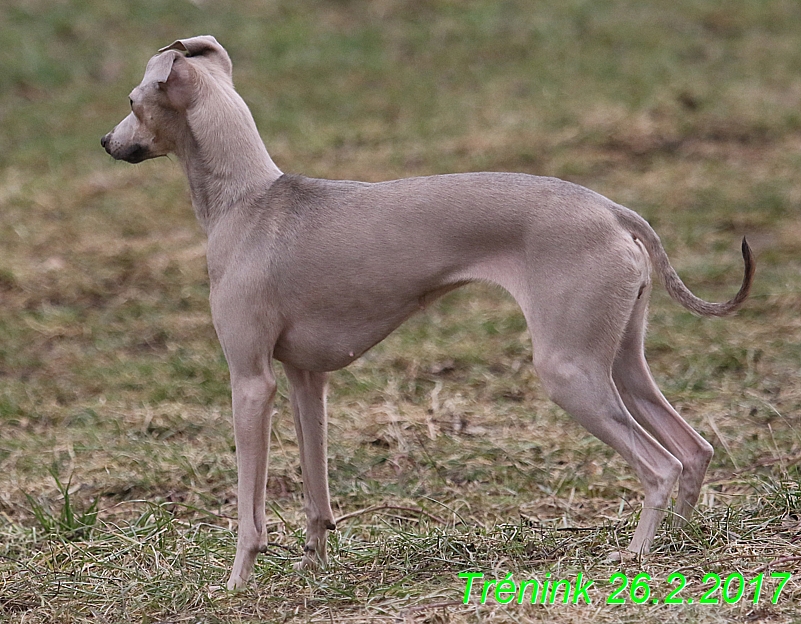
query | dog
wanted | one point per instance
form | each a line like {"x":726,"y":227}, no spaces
{"x":313,"y":273}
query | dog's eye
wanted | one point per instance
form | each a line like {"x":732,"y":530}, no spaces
{"x":130,"y":101}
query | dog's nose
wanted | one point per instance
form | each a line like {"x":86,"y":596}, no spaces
{"x":103,"y":141}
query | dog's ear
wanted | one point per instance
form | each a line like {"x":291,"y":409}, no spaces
{"x":205,"y":46}
{"x":159,"y":68}
{"x":172,"y":73}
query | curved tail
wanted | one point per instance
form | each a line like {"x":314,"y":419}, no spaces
{"x":640,"y":228}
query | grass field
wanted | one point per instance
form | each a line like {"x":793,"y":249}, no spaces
{"x":117,"y":468}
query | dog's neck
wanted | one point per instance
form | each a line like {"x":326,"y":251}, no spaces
{"x":223,"y":155}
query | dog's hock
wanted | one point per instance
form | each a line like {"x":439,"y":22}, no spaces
{"x":206,"y":46}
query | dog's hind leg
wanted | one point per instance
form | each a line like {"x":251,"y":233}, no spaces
{"x":307,"y":395}
{"x":576,"y":331}
{"x":649,"y":407}
{"x":587,"y":393}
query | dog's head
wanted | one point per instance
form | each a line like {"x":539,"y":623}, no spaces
{"x":169,"y":88}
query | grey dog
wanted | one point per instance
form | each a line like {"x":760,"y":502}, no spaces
{"x":313,"y":273}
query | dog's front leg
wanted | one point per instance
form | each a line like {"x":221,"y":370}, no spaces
{"x":307,"y":395}
{"x":252,"y":403}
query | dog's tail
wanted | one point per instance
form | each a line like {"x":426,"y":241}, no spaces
{"x":641,"y":229}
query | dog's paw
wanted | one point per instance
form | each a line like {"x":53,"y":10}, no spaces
{"x":313,"y":558}
{"x":621,"y":556}
{"x":310,"y":563}
{"x":235,"y":583}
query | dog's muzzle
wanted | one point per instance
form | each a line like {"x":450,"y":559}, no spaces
{"x":133,"y":154}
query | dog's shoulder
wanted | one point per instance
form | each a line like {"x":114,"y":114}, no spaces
{"x":297,"y":194}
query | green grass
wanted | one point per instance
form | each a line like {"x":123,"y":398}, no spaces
{"x":117,"y":468}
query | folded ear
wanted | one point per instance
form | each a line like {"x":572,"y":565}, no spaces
{"x":159,"y":67}
{"x":172,"y":73}
{"x":205,"y":46}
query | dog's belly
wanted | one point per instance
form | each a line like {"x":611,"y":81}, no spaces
{"x":320,"y":348}
{"x":330,"y":339}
